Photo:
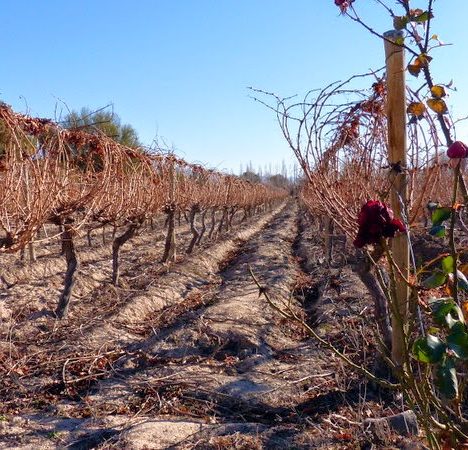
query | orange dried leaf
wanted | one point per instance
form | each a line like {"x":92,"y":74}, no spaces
{"x":416,"y":108}
{"x":438,"y":91}
{"x":437,"y":105}
{"x":414,"y":69}
{"x":423,"y":59}
{"x":418,"y":63}
{"x":449,"y":286}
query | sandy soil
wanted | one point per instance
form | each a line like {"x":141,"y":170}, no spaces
{"x":190,"y":356}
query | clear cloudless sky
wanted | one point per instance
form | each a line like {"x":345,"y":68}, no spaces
{"x":179,"y":69}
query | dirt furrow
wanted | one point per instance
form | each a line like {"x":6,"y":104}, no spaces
{"x":188,"y":278}
{"x":140,"y":259}
{"x":198,"y":360}
{"x":232,"y":361}
{"x":23,"y":317}
{"x":78,"y":340}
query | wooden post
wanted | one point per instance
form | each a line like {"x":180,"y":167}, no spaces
{"x":396,"y":122}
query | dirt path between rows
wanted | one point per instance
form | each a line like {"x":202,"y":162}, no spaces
{"x":198,"y":361}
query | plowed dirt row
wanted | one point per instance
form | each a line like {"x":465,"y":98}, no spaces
{"x":199,"y":360}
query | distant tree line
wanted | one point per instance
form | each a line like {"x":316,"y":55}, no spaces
{"x":278,"y":177}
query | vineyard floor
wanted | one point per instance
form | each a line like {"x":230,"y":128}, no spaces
{"x":190,"y":356}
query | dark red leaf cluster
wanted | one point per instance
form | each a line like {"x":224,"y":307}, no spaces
{"x":376,"y":221}
{"x":457,"y":150}
{"x":343,"y":4}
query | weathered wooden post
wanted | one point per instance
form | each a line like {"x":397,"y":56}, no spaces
{"x":396,"y":122}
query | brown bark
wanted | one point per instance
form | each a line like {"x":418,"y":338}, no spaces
{"x":223,"y":220}
{"x":363,"y":268}
{"x":116,"y":245}
{"x":203,"y":226}
{"x":231,"y":216}
{"x":193,"y":229}
{"x":244,"y":217}
{"x":71,"y":258}
{"x":213,"y":223}
{"x":170,"y":245}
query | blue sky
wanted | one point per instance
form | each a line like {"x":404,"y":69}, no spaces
{"x":180,"y":69}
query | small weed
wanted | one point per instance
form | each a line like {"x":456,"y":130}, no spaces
{"x":53,"y":435}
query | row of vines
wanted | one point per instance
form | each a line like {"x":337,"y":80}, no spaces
{"x":343,"y":136}
{"x":79,"y":181}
